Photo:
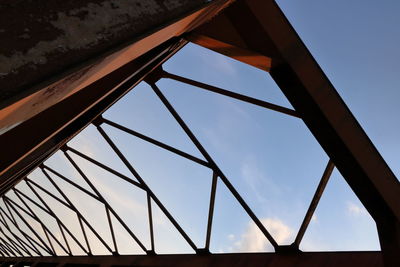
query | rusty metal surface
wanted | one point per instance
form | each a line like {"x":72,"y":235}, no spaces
{"x":41,"y":39}
{"x":301,"y":80}
{"x":77,"y":111}
{"x":53,"y":87}
{"x":309,"y":259}
{"x":14,"y":152}
{"x":321,"y":108}
{"x":239,"y":53}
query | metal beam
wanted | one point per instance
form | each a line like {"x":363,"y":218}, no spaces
{"x":263,"y":28}
{"x":314,"y":202}
{"x":58,"y":124}
{"x":55,"y":61}
{"x":241,"y":54}
{"x":125,"y":61}
{"x":231,"y":94}
{"x":305,"y":259}
{"x":42,"y":42}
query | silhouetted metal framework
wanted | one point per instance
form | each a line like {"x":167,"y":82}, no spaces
{"x":329,"y":259}
{"x":257,"y":33}
{"x":13,"y":246}
{"x":218,"y":176}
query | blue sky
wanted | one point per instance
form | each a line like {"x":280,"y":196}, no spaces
{"x":272,"y":159}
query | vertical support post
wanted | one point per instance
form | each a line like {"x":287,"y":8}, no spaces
{"x":211,"y":209}
{"x":150,"y":214}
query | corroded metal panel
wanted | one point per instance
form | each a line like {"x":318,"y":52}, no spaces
{"x":50,"y":52}
{"x":40,"y":39}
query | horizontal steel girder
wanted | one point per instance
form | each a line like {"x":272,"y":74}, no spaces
{"x":306,"y":259}
{"x":261,"y":28}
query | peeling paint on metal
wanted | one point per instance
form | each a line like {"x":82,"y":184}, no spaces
{"x":99,"y":22}
{"x":46,"y":39}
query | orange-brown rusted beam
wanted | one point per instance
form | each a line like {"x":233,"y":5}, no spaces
{"x":241,"y":54}
{"x":261,"y":27}
{"x":18,"y":142}
{"x":67,"y":63}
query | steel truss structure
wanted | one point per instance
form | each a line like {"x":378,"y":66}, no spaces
{"x":34,"y":245}
{"x":15,"y":249}
{"x":313,"y":97}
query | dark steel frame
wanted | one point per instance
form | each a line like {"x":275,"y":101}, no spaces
{"x":44,"y":247}
{"x":319,"y":105}
{"x":307,"y":259}
{"x":302,"y":81}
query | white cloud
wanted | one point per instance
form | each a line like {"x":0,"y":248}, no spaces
{"x":355,"y":210}
{"x":257,"y":180}
{"x":314,"y":218}
{"x":254,"y":240}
